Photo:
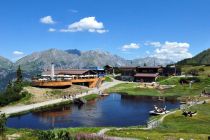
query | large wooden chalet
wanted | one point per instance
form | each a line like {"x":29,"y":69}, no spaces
{"x":146,"y":74}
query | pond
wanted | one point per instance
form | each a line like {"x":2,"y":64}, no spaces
{"x":113,"y":110}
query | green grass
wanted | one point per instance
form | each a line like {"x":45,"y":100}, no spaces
{"x":91,"y":97}
{"x":155,"y":135}
{"x":178,"y":90}
{"x":161,"y":78}
{"x":108,"y":79}
{"x":24,"y":100}
{"x":204,"y":73}
{"x":170,"y":81}
{"x":133,"y":89}
{"x":199,"y":124}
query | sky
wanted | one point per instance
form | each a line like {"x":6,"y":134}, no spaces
{"x":168,"y":29}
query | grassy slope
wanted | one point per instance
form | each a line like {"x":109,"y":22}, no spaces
{"x":178,"y":90}
{"x":91,"y":97}
{"x":132,"y":89}
{"x":108,"y":79}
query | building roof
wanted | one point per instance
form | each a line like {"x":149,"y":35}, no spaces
{"x":68,"y":72}
{"x":150,"y":67}
{"x":146,"y":75}
{"x":127,"y":67}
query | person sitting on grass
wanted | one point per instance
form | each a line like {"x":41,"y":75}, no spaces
{"x":189,"y":113}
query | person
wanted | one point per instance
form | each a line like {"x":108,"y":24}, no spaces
{"x":156,"y":109}
{"x":164,"y":108}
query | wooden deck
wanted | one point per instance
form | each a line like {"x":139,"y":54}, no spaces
{"x":38,"y":83}
{"x":92,"y":82}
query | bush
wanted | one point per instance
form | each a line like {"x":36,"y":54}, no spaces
{"x":193,"y":72}
{"x":201,"y":69}
{"x":54,"y":135}
{"x":161,"y":78}
{"x":3,"y":120}
{"x":188,"y":79}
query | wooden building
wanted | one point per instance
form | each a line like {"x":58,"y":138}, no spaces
{"x":127,"y":73}
{"x":146,"y":77}
{"x":147,"y":74}
{"x":140,"y":74}
{"x":72,"y":73}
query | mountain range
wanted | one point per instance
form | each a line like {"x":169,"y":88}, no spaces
{"x":36,"y":62}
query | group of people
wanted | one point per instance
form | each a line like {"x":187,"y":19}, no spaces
{"x":72,"y":96}
{"x":159,"y":110}
{"x":68,"y":96}
{"x":204,"y":93}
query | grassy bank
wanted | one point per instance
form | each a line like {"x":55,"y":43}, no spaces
{"x":175,"y":126}
{"x":108,"y":79}
{"x":91,"y":97}
{"x":178,"y":90}
{"x":133,"y":89}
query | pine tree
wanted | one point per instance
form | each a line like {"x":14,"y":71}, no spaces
{"x":19,"y":75}
{"x":9,"y":89}
{"x":3,"y":120}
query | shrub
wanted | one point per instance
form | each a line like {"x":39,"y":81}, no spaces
{"x":201,"y":69}
{"x":3,"y":120}
{"x":54,"y":135}
{"x":188,"y":79}
{"x":193,"y":72}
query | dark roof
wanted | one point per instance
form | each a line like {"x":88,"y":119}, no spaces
{"x":150,"y":67}
{"x":146,"y":75}
{"x":68,"y":72}
{"x":127,"y":67}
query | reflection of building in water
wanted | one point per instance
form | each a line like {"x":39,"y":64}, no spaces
{"x":51,"y":117}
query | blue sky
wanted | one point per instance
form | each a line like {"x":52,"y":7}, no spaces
{"x":174,"y":29}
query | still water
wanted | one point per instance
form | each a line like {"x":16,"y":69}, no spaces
{"x":113,"y":110}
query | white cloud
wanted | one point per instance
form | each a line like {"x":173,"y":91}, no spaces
{"x":47,"y":20}
{"x":18,"y":53}
{"x":89,"y":24}
{"x":51,"y":30}
{"x":130,"y":46}
{"x":154,"y":44}
{"x":175,"y":51}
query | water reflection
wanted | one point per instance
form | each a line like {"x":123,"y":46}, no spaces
{"x":113,"y":110}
